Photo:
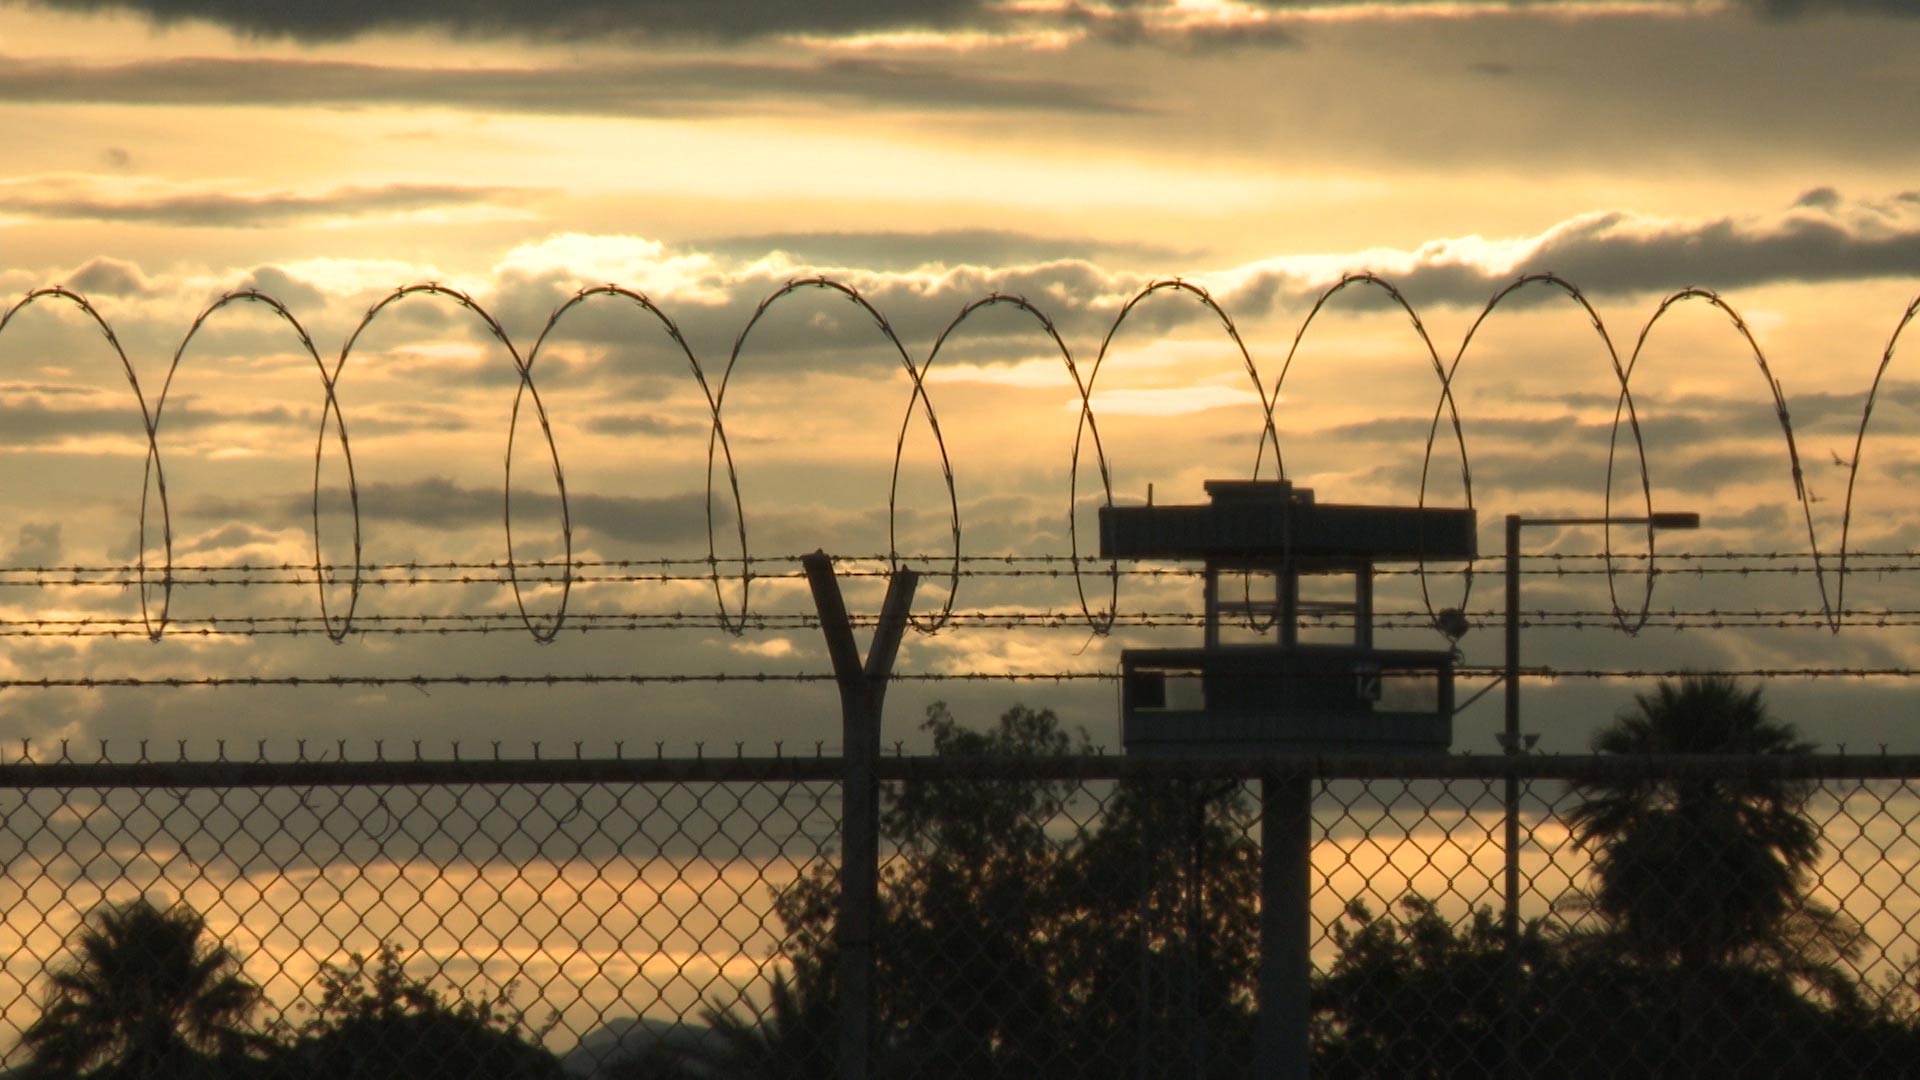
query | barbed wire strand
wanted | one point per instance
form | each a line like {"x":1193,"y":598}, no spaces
{"x":425,"y":680}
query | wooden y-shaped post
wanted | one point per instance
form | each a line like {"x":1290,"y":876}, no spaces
{"x":863,"y":689}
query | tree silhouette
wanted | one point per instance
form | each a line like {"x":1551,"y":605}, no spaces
{"x":1159,"y":954}
{"x":962,"y":945}
{"x":1014,"y":938}
{"x":376,"y":1021}
{"x":149,"y":997}
{"x":1703,"y":870}
{"x":1419,"y":996}
{"x":1701,"y":878}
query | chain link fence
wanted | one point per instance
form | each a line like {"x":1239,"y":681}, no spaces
{"x":1064,"y":916}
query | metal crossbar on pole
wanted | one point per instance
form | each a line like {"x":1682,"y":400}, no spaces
{"x":863,"y":689}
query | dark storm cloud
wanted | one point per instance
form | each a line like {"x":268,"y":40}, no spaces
{"x":1788,"y":9}
{"x":818,"y":330}
{"x":1686,"y":443}
{"x":637,"y":88}
{"x":66,"y":201}
{"x":434,"y":503}
{"x":1753,"y":413}
{"x":645,"y":424}
{"x":1709,"y":472}
{"x":1820,"y":198}
{"x":668,"y":518}
{"x":442,"y":504}
{"x":1822,"y":239}
{"x":232,"y":536}
{"x":1125,"y":22}
{"x":1769,"y":8}
{"x":1744,"y":413}
{"x":285,"y":288}
{"x":36,"y":544}
{"x":1412,"y":431}
{"x":577,"y":20}
{"x":28,"y":422}
{"x":1221,"y":37}
{"x":1133,"y":22}
{"x":1759,"y":518}
{"x":1603,"y":257}
{"x":110,"y":277}
{"x":950,"y":247}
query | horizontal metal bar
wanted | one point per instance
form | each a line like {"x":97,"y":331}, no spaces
{"x":246,"y":774}
{"x":735,"y":770}
{"x":1412,"y":767}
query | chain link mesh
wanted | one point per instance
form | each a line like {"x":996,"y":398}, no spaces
{"x":1033,"y":919}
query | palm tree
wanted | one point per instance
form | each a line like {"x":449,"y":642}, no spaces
{"x":1704,"y":870}
{"x":148,"y":997}
{"x":794,"y":1039}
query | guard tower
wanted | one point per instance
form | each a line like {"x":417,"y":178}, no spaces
{"x":1261,"y":684}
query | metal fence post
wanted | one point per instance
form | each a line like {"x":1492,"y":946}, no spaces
{"x":863,"y":689}
{"x":1510,"y":831}
{"x":1282,"y":1050}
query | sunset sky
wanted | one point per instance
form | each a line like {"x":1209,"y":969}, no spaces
{"x":161,"y":154}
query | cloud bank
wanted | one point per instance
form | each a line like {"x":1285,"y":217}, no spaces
{"x":1238,"y":22}
{"x":641,"y":87}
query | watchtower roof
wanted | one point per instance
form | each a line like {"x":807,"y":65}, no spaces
{"x":1265,"y":520}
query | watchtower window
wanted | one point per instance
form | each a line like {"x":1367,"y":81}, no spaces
{"x":1413,"y":690}
{"x":1334,"y":608}
{"x":1249,"y":607}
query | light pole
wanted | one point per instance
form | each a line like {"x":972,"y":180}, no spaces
{"x":1511,"y":739}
